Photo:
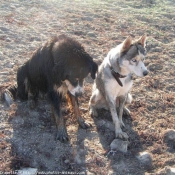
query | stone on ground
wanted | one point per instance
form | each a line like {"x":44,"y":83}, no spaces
{"x":145,"y":159}
{"x":169,"y":135}
{"x":119,"y":145}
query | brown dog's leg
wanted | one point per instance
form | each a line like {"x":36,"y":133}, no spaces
{"x":73,"y":103}
{"x":55,"y":99}
{"x":69,"y":101}
{"x":61,"y":127}
{"x":31,"y":101}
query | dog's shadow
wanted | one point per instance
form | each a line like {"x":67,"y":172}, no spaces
{"x":34,"y":145}
{"x":121,"y":163}
{"x":34,"y":141}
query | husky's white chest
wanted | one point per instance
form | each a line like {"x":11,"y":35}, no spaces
{"x":114,"y":89}
{"x":127,"y":85}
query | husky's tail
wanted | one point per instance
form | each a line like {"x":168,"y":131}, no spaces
{"x":8,"y":93}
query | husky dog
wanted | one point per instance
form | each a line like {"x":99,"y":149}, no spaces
{"x":114,"y":80}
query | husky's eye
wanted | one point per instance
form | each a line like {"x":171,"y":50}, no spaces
{"x":134,"y":60}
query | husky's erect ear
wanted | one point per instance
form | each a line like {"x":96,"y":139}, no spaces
{"x":126,"y":43}
{"x":142,"y":40}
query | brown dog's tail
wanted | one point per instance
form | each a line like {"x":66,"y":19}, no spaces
{"x":8,"y":93}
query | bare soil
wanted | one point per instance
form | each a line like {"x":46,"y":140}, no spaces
{"x":27,"y":137}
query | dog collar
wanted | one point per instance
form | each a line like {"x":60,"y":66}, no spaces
{"x":116,"y":75}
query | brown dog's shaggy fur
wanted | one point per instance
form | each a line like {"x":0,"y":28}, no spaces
{"x":56,"y":69}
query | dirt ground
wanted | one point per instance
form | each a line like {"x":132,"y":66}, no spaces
{"x":27,"y":137}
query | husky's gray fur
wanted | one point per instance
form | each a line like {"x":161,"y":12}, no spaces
{"x":126,"y":59}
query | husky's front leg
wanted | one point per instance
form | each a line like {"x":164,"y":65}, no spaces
{"x":122,"y":100}
{"x":118,"y":131}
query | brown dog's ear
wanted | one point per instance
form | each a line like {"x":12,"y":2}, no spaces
{"x":142,"y":40}
{"x":94,"y":69}
{"x":126,"y":43}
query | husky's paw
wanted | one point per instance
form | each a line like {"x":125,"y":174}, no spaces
{"x":126,"y":111}
{"x":121,"y":123}
{"x":93,"y":113}
{"x":121,"y":135}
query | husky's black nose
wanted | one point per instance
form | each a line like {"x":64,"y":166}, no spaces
{"x":145,"y":73}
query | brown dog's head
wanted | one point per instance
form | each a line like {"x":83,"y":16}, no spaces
{"x":72,"y":64}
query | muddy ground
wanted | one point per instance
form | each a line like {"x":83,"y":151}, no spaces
{"x":27,"y":137}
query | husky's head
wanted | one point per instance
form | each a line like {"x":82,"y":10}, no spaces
{"x":133,"y":55}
